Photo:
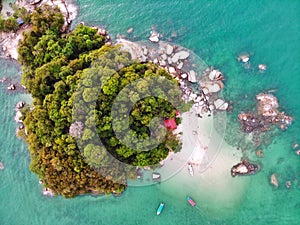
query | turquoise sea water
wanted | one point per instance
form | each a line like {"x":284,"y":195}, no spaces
{"x":217,"y":31}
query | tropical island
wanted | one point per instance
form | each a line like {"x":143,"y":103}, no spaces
{"x":58,"y":66}
{"x":82,"y":112}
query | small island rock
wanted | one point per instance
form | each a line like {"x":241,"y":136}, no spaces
{"x":154,"y":37}
{"x":274,"y":180}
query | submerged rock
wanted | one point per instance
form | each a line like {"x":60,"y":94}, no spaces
{"x":130,"y":30}
{"x":260,"y":153}
{"x":274,"y":180}
{"x":288,"y":184}
{"x":1,"y":166}
{"x":244,"y":57}
{"x":262,"y":67}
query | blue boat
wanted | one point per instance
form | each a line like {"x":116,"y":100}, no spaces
{"x":160,"y":208}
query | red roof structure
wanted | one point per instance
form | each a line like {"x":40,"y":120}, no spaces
{"x":170,"y":124}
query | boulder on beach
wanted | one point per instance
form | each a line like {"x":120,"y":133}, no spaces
{"x":220,"y":104}
{"x":183,"y":54}
{"x":154,"y":37}
{"x":164,"y":56}
{"x":215,"y":75}
{"x":274,"y":180}
{"x":18,"y":117}
{"x":155,"y":176}
{"x":172,"y":70}
{"x":20,"y":105}
{"x":11,"y":87}
{"x":162,"y":63}
{"x":180,"y":65}
{"x":180,"y":55}
{"x":192,"y":76}
{"x":205,"y":91}
{"x":169,"y":49}
{"x":213,"y":88}
{"x":145,"y":50}
{"x":184,"y":76}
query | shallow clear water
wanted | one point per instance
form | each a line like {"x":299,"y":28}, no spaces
{"x":217,"y":31}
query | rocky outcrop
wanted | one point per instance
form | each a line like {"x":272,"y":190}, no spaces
{"x":266,"y":115}
{"x":244,"y":168}
{"x":177,"y":61}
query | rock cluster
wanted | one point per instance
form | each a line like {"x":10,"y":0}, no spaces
{"x":267,"y":115}
{"x":20,"y":105}
{"x":177,"y":61}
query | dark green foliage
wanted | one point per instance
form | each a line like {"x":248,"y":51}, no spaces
{"x":57,"y":72}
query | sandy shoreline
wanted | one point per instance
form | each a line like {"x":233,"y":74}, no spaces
{"x":212,"y":160}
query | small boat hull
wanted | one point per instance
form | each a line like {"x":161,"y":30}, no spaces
{"x":190,"y":200}
{"x":191,"y":170}
{"x":160,"y":208}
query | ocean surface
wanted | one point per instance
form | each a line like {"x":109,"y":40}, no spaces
{"x":217,"y":31}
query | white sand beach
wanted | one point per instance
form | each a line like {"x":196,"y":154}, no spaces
{"x":212,"y":160}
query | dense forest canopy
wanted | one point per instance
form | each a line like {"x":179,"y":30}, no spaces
{"x":74,"y":79}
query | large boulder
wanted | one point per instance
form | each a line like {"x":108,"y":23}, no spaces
{"x":192,"y":76}
{"x":220,"y":104}
{"x":169,"y":49}
{"x":154,"y":37}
